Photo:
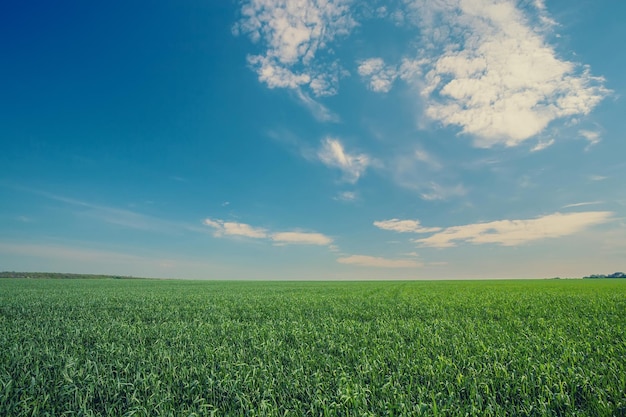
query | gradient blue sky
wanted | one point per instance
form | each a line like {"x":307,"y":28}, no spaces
{"x":308,"y":139}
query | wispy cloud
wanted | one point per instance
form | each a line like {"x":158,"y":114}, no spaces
{"x":224,"y":228}
{"x":294,"y":143}
{"x":428,"y":159}
{"x":405,"y":226}
{"x":592,"y":137}
{"x":346,"y":196}
{"x":333,"y":154}
{"x":422,"y":172}
{"x":55,"y":251}
{"x":378,"y":262}
{"x":117,"y":216}
{"x":317,"y":109}
{"x":540,"y":146}
{"x":301,"y":238}
{"x":435,"y":191}
{"x":587,"y":203}
{"x":516,"y":232}
{"x":86,"y":257}
{"x":429,"y":191}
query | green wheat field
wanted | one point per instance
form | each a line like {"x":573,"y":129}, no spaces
{"x":119,"y":347}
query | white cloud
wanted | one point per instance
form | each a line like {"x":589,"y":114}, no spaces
{"x":491,"y":73}
{"x":216,"y":224}
{"x":404,"y":226}
{"x":586,"y":203}
{"x":542,"y":145}
{"x":423,"y":156}
{"x":275,"y":75}
{"x":235,"y":229}
{"x":303,"y":238}
{"x":517,"y":232}
{"x":437,"y":191}
{"x":373,"y":261}
{"x":483,"y":66}
{"x":346,"y":196}
{"x":540,"y":4}
{"x":333,"y":154}
{"x":380,"y":77}
{"x":319,"y":111}
{"x":242,"y":229}
{"x":525,"y":181}
{"x":381,"y":11}
{"x":223,"y":228}
{"x":294,"y":32}
{"x":591,"y":136}
{"x":543,"y":15}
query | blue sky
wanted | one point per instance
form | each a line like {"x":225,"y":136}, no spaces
{"x":311,"y":139}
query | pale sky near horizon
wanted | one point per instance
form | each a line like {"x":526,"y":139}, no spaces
{"x":314,"y":139}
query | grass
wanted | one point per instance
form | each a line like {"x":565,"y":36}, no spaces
{"x":182,"y":348}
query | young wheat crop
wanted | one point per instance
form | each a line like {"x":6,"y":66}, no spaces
{"x":182,"y":348}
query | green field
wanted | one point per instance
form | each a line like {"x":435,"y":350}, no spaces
{"x":181,"y":348}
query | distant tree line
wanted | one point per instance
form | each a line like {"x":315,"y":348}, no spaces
{"x":57,"y":275}
{"x":613,"y":275}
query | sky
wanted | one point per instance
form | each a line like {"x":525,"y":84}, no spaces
{"x":313,"y":139}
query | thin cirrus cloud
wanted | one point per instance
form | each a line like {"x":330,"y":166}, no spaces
{"x":404,"y":226}
{"x":434,"y":191}
{"x":317,"y":109}
{"x":516,"y":232}
{"x":333,"y":154}
{"x":424,"y":157}
{"x":66,"y":252}
{"x":301,"y":238}
{"x":378,"y":262}
{"x":591,"y":136}
{"x":586,"y":203}
{"x":413,"y":171}
{"x":346,"y":196}
{"x":115,"y":216}
{"x":223,"y":228}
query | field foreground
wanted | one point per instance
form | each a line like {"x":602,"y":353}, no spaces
{"x":158,"y":348}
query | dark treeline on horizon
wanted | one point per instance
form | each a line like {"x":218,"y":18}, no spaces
{"x":58,"y":275}
{"x":613,"y":275}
